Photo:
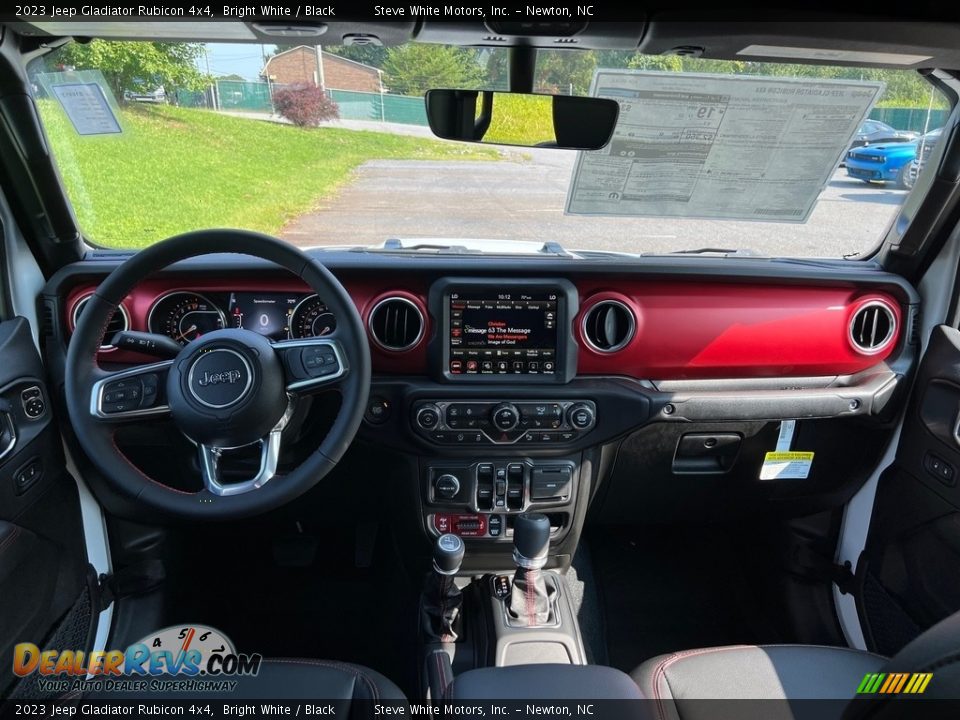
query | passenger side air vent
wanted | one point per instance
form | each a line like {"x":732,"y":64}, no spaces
{"x":396,"y":324}
{"x":118,"y":321}
{"x":873,"y":327}
{"x":608,"y":326}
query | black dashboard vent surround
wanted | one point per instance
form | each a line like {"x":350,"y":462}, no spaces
{"x":873,"y":327}
{"x":118,"y":322}
{"x":609,"y":326}
{"x":396,"y":324}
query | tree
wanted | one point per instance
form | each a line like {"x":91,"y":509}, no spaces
{"x":373,"y":55}
{"x":139,"y":66}
{"x":414,"y":68}
{"x":565,"y":71}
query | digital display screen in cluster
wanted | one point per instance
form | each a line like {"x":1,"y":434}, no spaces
{"x":266,"y":313}
{"x":503,"y":333}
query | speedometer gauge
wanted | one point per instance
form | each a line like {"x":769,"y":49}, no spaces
{"x":311,"y":318}
{"x":185,"y":316}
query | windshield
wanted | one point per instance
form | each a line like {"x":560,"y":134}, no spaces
{"x":329,"y":146}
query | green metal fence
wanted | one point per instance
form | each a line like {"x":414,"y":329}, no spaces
{"x":256,"y":97}
{"x":244,"y":95}
{"x":385,"y":108}
{"x":910,"y":118}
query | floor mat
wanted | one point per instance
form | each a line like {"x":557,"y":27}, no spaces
{"x":328,"y":608}
{"x":664,"y":590}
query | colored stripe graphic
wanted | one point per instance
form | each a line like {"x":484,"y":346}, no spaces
{"x":894,"y":683}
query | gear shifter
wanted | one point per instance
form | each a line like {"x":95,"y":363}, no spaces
{"x":530,"y":603}
{"x":442,"y":599}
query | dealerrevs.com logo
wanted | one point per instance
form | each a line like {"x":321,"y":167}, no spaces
{"x":184,"y":658}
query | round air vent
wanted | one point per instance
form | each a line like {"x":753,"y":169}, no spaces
{"x":119,"y":321}
{"x":873,"y":327}
{"x":608,"y":326}
{"x":396,"y":324}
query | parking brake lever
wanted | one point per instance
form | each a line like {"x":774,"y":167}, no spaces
{"x":146,"y":343}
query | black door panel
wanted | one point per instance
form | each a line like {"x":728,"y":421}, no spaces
{"x":912,"y":577}
{"x":42,"y":551}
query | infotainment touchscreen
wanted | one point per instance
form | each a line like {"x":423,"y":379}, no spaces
{"x":506,"y":332}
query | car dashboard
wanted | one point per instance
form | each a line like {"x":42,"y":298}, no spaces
{"x":502,"y":385}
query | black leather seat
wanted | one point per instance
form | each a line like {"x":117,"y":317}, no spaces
{"x":795,"y":672}
{"x":291,"y":678}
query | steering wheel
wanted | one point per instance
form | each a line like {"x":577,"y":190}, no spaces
{"x":228,"y":389}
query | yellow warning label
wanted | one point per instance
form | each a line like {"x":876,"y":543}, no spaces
{"x":784,"y":465}
{"x":788,"y":456}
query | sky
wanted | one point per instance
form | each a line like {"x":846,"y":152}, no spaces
{"x":241,"y":59}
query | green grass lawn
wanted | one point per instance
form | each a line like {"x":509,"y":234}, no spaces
{"x":174,"y":169}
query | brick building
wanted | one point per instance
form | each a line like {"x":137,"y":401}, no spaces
{"x":298,"y":66}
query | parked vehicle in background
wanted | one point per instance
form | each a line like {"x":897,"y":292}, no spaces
{"x":924,"y":149}
{"x":874,"y":131}
{"x":154,"y":96}
{"x":886,"y":163}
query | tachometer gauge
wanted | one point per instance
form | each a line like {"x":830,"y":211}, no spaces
{"x":311,"y":318}
{"x":185,"y":316}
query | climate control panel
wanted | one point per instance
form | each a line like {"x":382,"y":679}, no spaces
{"x":503,"y":422}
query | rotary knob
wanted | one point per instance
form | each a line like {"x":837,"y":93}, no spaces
{"x":428,"y":417}
{"x":505,"y":416}
{"x":446,"y":486}
{"x":581,"y":416}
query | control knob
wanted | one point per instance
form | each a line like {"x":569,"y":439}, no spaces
{"x":581,"y":416}
{"x":446,"y":486}
{"x":505,"y":416}
{"x":428,"y":417}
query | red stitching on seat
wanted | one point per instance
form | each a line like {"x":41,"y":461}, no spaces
{"x":661,"y":670}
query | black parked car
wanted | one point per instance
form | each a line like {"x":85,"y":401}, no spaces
{"x":874,"y":131}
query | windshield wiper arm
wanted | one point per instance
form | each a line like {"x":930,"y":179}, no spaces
{"x":467,"y":247}
{"x":710,"y":251}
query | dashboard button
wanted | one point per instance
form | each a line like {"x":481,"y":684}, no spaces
{"x":581,"y":416}
{"x":378,"y":411}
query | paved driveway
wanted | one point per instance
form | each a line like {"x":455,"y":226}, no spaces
{"x":524,"y":200}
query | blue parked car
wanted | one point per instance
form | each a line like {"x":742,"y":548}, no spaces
{"x":885,"y":162}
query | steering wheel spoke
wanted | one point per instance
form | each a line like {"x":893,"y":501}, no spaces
{"x":211,"y":458}
{"x":312,"y":364}
{"x":131,"y":394}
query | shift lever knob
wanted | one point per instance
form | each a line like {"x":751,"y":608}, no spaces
{"x":448,"y":554}
{"x":531,"y":540}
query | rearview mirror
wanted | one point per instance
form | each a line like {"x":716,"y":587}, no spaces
{"x":528,"y":120}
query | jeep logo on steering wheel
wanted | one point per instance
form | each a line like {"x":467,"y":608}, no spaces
{"x":216,"y":378}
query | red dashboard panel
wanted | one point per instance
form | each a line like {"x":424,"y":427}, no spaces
{"x":365,"y":293}
{"x":684,"y":330}
{"x":725,"y":330}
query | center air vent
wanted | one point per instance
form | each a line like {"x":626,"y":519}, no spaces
{"x":873,"y":327}
{"x":396,"y":324}
{"x":118,"y":321}
{"x":608,"y":326}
